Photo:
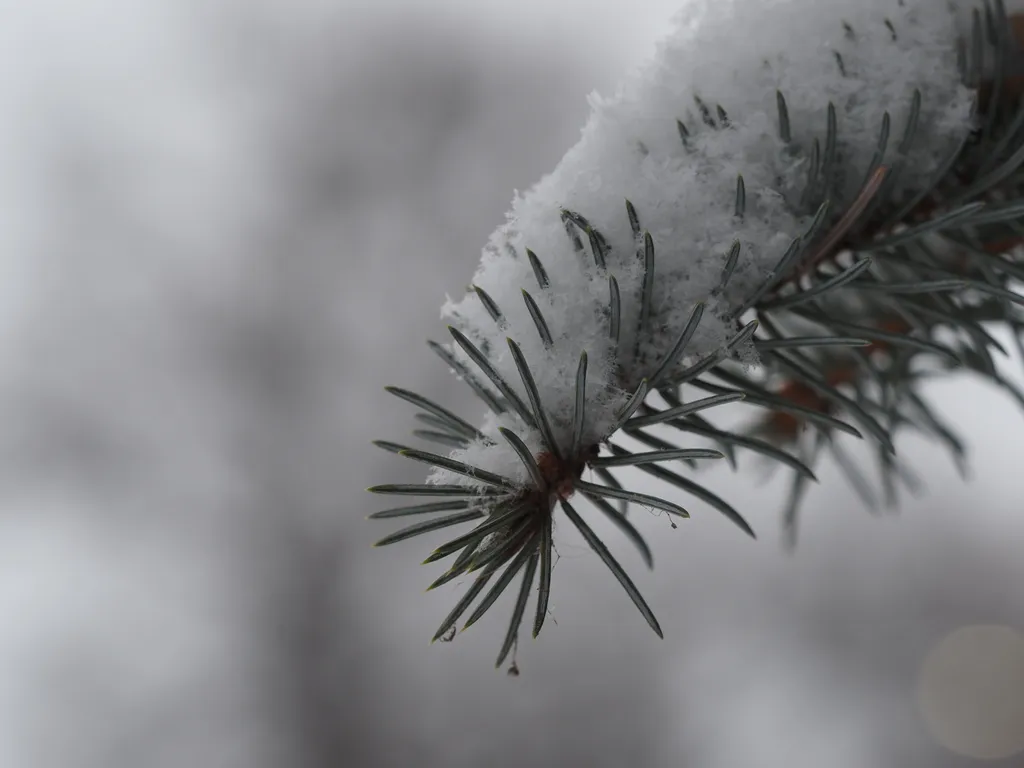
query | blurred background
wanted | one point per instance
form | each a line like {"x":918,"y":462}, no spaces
{"x":224,"y":227}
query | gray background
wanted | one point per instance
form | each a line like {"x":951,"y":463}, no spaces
{"x":224,"y":227}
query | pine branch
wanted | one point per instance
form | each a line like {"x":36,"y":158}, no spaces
{"x":819,"y":285}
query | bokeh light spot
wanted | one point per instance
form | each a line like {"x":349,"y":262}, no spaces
{"x":971,"y":691}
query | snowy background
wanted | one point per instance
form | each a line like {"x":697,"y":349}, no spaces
{"x":224,"y":227}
